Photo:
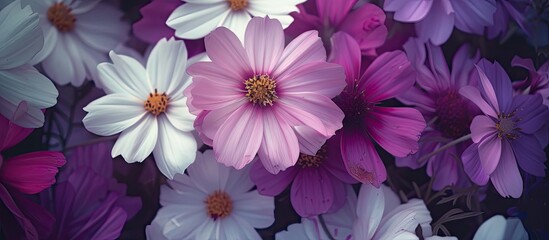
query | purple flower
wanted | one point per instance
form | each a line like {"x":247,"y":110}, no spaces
{"x":88,"y":202}
{"x":506,"y":134}
{"x":318,"y":182}
{"x":435,"y":20}
{"x":537,"y":81}
{"x":365,"y":23}
{"x":437,"y":98}
{"x":396,"y":130}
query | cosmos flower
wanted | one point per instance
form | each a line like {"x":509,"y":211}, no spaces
{"x":395,"y":129}
{"x":264,"y":98}
{"x":211,"y":202}
{"x":76,"y":37}
{"x":28,"y":173}
{"x":147,"y":105}
{"x":505,"y":134}
{"x":497,"y":227}
{"x":437,"y":97}
{"x":537,"y":81}
{"x":318,"y":181}
{"x":196,"y":18}
{"x":365,"y":23}
{"x":23,"y":90}
{"x":467,"y":16}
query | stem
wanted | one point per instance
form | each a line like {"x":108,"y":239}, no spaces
{"x":424,"y":158}
{"x":324,"y":227}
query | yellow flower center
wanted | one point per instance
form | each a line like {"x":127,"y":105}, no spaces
{"x":218,"y":205}
{"x":305,"y":160}
{"x":156,"y":103}
{"x":237,"y":5}
{"x":261,"y":89}
{"x":61,"y":17}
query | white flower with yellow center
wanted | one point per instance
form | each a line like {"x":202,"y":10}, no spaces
{"x":78,"y":36}
{"x":211,"y":202}
{"x":196,"y":18}
{"x":147,"y":105}
{"x":23,"y":90}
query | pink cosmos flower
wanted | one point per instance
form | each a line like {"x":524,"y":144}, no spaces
{"x":396,"y":130}
{"x":318,"y":181}
{"x":264,"y":98}
{"x":152,"y":25}
{"x":435,"y":20}
{"x":29,"y":173}
{"x":365,"y":23}
{"x":505,"y":134}
{"x":437,"y":98}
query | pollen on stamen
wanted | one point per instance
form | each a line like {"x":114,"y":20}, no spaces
{"x":305,"y":160}
{"x":261,"y":89}
{"x":61,"y":17}
{"x":218,"y":205}
{"x":237,"y":5}
{"x":156,"y":103}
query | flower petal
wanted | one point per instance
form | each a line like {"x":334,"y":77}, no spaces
{"x":473,"y":94}
{"x":279,"y":147}
{"x":506,"y":177}
{"x":482,"y":126}
{"x":227,"y":52}
{"x":473,"y":166}
{"x":175,"y":149}
{"x":361,"y":159}
{"x":166,"y":66}
{"x":271,"y":184}
{"x":408,"y":11}
{"x":321,"y":78}
{"x":304,"y":49}
{"x":443,"y":14}
{"x":346,"y":52}
{"x":255,"y":209}
{"x":308,"y":197}
{"x":124,"y":75}
{"x":112,"y":114}
{"x":264,"y":43}
{"x":194,"y":21}
{"x":138,"y":141}
{"x":179,"y":116}
{"x":370,"y":208}
{"x":530,"y":155}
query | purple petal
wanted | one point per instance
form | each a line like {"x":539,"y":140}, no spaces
{"x":531,"y":112}
{"x":312,"y":192}
{"x":334,"y":11}
{"x":474,"y":16}
{"x":530,"y":155}
{"x":473,"y":94}
{"x":495,"y":85}
{"x":408,"y":11}
{"x":366,"y":25}
{"x":152,"y":26}
{"x":506,"y":177}
{"x":346,"y":52}
{"x":472,"y":165}
{"x":271,"y":184}
{"x":490,"y":151}
{"x":441,"y":13}
{"x":482,"y":126}
{"x":361,"y":158}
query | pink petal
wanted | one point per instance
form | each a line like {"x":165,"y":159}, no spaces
{"x":473,"y":94}
{"x":334,"y":162}
{"x":388,"y":76}
{"x":397,"y":130}
{"x":334,"y":11}
{"x":318,"y":106}
{"x":472,"y":165}
{"x":264,"y":43}
{"x":310,"y":141}
{"x":346,"y":52}
{"x":32,"y":172}
{"x":482,"y":126}
{"x":490,"y":150}
{"x":322,"y":78}
{"x":530,"y":155}
{"x":296,"y":116}
{"x":304,"y":49}
{"x":312,"y":192}
{"x":361,"y":159}
{"x":279,"y":147}
{"x":506,"y":177}
{"x":239,"y":137}
{"x":227,"y":52}
{"x":11,"y":134}
{"x":408,"y":11}
{"x":366,"y":25}
{"x":208,"y":123}
{"x":270,"y":184}
{"x":441,"y":13}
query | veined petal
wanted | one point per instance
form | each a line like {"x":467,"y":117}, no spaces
{"x":370,"y":208}
{"x":112,"y":114}
{"x":175,"y":149}
{"x":473,"y":94}
{"x":264,"y":43}
{"x":506,"y":177}
{"x":179,"y":116}
{"x":443,"y":14}
{"x":227,"y":52}
{"x":166,"y":66}
{"x":124,"y":75}
{"x":408,"y":11}
{"x":196,"y":20}
{"x":137,"y":141}
{"x":490,"y":151}
{"x":473,"y":166}
{"x":271,"y":184}
{"x":346,"y":52}
{"x":530,"y":155}
{"x":482,"y":126}
{"x":279,"y":147}
{"x":304,"y":49}
{"x":27,"y":84}
{"x":321,"y":78}
{"x":361,"y":159}
{"x":308,"y":197}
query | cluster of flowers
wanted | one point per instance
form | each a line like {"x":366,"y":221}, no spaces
{"x":239,"y":100}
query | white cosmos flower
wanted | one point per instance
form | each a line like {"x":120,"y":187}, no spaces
{"x":23,"y":90}
{"x":147,"y":105}
{"x":78,"y":36}
{"x":211,"y":202}
{"x":499,"y":228}
{"x":196,"y":18}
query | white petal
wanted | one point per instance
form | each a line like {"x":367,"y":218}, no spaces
{"x":90,"y":27}
{"x":166,"y":66}
{"x":27,"y":84}
{"x":124,"y":75}
{"x":78,"y":7}
{"x":180,"y":220}
{"x":179,"y":115}
{"x":113,"y":113}
{"x":175,"y":150}
{"x":50,"y":41}
{"x":237,"y":22}
{"x":493,"y":228}
{"x":59,"y":57}
{"x":256,"y":209}
{"x":207,"y":174}
{"x":194,"y":21}
{"x":515,"y":230}
{"x":371,"y":202}
{"x":138,"y":141}
{"x":73,"y":47}
{"x":404,"y":218}
{"x":234,"y":227}
{"x":23,"y":116}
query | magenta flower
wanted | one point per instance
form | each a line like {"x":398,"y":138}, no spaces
{"x":365,"y":23}
{"x":437,"y":98}
{"x":152,"y":25}
{"x":318,"y":181}
{"x":29,"y":173}
{"x":467,"y":16}
{"x":505,"y":134}
{"x":264,"y":98}
{"x":396,"y":130}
